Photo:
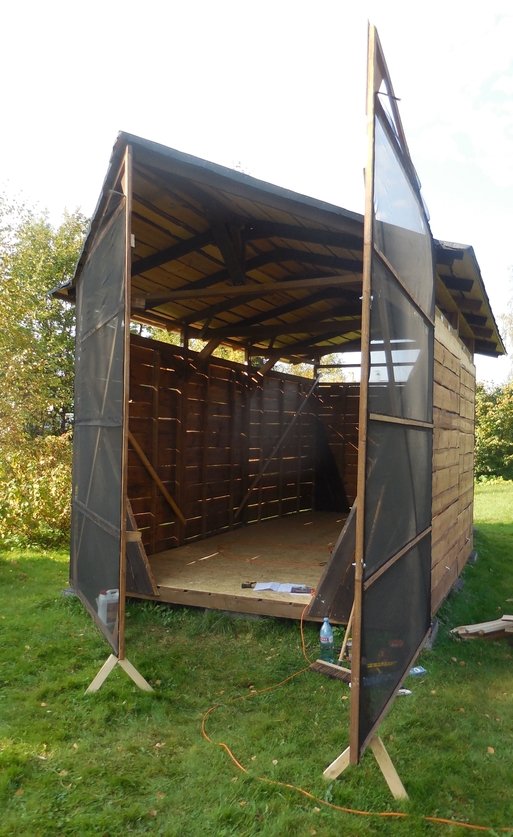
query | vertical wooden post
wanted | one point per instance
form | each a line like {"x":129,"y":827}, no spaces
{"x":126,"y":185}
{"x":246,"y":430}
{"x":233,"y":423}
{"x":181,"y":446}
{"x":372,"y":86}
{"x":299,"y":428}
{"x":204,"y":453}
{"x":261,"y":436}
{"x":281,"y":400}
{"x":155,"y":447}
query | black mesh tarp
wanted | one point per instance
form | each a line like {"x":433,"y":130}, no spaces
{"x":400,"y":352}
{"x":398,"y":491}
{"x":98,"y":434}
{"x":395,"y":619}
{"x":401,"y":230}
{"x":395,"y":593}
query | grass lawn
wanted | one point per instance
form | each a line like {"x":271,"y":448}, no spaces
{"x":122,"y":762}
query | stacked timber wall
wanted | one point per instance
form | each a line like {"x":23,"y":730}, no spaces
{"x":453,"y":460}
{"x":207,"y":430}
{"x":338,"y":411}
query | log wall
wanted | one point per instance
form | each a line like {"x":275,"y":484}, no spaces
{"x":453,"y":460}
{"x":338,"y":411}
{"x":207,"y":432}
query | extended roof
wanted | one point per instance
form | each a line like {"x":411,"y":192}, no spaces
{"x":232,"y":258}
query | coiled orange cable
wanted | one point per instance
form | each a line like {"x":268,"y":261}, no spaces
{"x":383,"y":814}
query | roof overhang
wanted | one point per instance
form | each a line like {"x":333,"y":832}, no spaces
{"x":233,"y":259}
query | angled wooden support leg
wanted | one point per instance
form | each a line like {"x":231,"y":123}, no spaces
{"x":385,"y":764}
{"x":132,"y":672}
{"x":127,"y":666}
{"x":338,"y":766}
{"x":387,"y":768}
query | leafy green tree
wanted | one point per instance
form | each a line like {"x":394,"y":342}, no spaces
{"x":36,"y":370}
{"x":494,"y":431}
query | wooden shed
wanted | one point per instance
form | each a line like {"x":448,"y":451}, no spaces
{"x":241,"y":471}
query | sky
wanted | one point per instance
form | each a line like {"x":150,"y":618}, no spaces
{"x":277,"y":88}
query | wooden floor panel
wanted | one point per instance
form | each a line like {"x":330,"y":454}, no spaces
{"x":209,"y":573}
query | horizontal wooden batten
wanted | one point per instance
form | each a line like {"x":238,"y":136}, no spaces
{"x":386,"y":566}
{"x":403,"y":287}
{"x":397,"y":420}
{"x":154,"y":300}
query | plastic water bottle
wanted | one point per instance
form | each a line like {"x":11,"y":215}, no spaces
{"x":326,"y":638}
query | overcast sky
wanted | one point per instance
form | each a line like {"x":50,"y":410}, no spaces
{"x":277,"y":87}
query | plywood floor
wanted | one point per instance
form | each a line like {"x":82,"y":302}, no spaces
{"x":209,"y":573}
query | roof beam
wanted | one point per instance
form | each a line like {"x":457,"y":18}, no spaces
{"x":170,"y":254}
{"x":254,"y":230}
{"x":305,"y":302}
{"x":485,"y":347}
{"x":311,"y":325}
{"x":465,"y":304}
{"x":247,"y":291}
{"x":482,"y":333}
{"x":475,"y":319}
{"x":455,"y":283}
{"x":232,"y":248}
{"x":218,"y":307}
{"x":280,"y":254}
{"x":308,"y":346}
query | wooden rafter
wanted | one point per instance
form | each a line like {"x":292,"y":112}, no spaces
{"x":253,"y":290}
{"x":276,"y":256}
{"x":298,"y":304}
{"x":454,"y":283}
{"x":465,"y":305}
{"x":209,"y":312}
{"x":175,"y":251}
{"x":314,"y":323}
{"x":255,"y":230}
{"x":232,"y":248}
{"x":308,"y":347}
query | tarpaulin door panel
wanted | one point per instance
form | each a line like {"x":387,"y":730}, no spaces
{"x":98,"y":453}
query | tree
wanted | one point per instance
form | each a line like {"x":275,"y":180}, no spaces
{"x":36,"y":370}
{"x":494,"y":431}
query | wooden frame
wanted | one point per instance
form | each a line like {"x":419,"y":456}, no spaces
{"x":377,"y":75}
{"x":236,"y":262}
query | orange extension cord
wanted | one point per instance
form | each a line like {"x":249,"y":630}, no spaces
{"x":389,"y":814}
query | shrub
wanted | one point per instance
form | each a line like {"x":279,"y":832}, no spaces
{"x":36,"y":487}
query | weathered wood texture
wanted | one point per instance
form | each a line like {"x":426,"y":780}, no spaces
{"x":338,"y":411}
{"x":453,"y":460}
{"x":207,"y":429}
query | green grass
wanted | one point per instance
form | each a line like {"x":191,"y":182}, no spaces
{"x":123,"y":762}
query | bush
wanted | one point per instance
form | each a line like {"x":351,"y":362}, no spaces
{"x":36,"y":486}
